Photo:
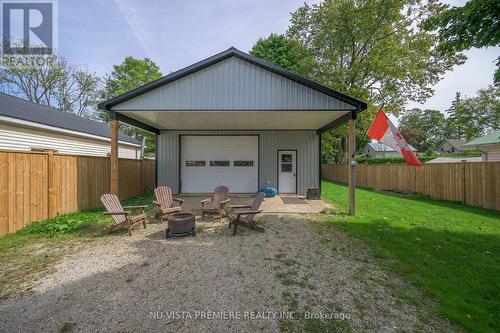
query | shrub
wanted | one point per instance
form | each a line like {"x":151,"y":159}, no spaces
{"x":65,"y":224}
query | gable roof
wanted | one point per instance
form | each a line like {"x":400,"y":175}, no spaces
{"x":19,"y":108}
{"x":232,"y":52}
{"x":456,"y":143}
{"x":379,"y":146}
{"x":490,"y":139}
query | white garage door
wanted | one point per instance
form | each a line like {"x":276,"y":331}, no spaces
{"x":211,"y":161}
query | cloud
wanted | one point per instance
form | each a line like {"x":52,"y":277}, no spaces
{"x":138,"y":26}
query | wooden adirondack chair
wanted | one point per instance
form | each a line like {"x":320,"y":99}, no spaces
{"x":120,"y":215}
{"x":215,"y":205}
{"x":167,"y":205}
{"x":244,"y":214}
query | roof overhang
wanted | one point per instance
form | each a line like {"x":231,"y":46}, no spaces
{"x":235,"y":120}
{"x":281,"y":101}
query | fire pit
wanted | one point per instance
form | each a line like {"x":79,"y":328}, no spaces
{"x":181,"y":224}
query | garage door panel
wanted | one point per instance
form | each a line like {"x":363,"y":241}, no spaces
{"x":225,"y":149}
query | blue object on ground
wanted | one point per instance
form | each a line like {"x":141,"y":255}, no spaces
{"x":268,"y":191}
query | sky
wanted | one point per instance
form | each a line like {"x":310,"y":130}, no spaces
{"x":175,"y":34}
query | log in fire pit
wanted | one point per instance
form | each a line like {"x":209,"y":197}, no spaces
{"x":181,"y":224}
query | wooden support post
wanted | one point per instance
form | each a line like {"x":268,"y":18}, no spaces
{"x":351,"y":173}
{"x":114,"y":156}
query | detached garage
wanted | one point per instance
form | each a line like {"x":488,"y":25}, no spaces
{"x":236,"y":120}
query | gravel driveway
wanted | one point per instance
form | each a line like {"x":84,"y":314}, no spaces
{"x":215,"y":282}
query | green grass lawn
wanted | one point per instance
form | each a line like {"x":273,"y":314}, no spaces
{"x":33,"y":250}
{"x":448,"y":250}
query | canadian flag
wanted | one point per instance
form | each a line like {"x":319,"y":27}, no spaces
{"x":383,"y":130}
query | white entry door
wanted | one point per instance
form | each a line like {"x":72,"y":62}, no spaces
{"x":211,"y":161}
{"x":287,"y":171}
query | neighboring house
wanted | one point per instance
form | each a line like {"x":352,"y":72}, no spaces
{"x":236,"y":120}
{"x":29,"y":126}
{"x":451,"y":146}
{"x":489,"y":145}
{"x":378,"y":149}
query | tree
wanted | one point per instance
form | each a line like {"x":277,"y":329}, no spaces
{"x":423,"y":129}
{"x":285,"y":52}
{"x":374,"y":50}
{"x":454,"y":129}
{"x":476,"y":24}
{"x":487,"y":106}
{"x":69,"y":88}
{"x":128,"y":75}
{"x":472,"y":117}
{"x":78,"y":93}
{"x":479,"y":115}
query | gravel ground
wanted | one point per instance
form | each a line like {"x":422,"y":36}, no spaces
{"x":146,"y":283}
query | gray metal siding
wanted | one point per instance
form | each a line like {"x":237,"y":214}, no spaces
{"x":233,"y":84}
{"x":305,"y":142}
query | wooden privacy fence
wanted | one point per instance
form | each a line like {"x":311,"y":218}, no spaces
{"x":38,"y":186}
{"x":475,"y":184}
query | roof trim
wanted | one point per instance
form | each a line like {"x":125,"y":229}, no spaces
{"x":232,"y":52}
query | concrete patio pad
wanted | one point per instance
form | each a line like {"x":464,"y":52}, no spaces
{"x":292,"y":204}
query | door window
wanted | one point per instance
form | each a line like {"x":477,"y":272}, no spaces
{"x":286,"y":163}
{"x":286,"y":158}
